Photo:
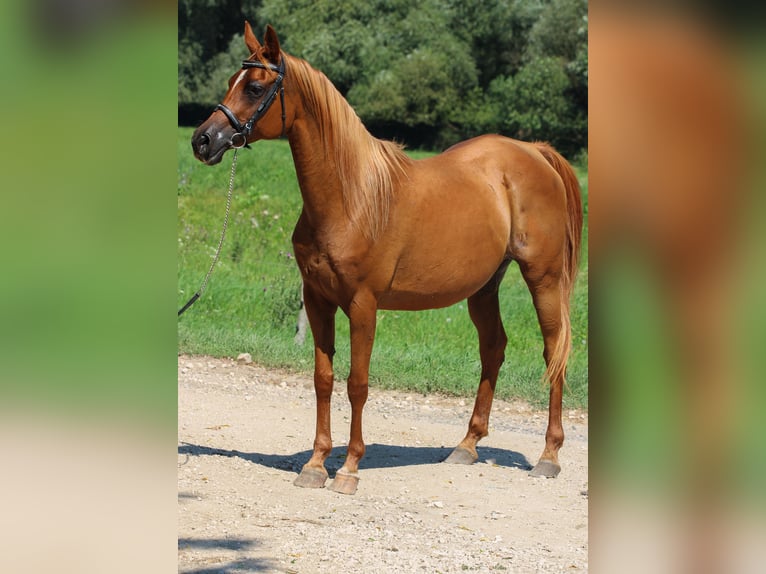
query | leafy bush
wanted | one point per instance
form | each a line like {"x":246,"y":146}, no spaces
{"x":428,"y":72}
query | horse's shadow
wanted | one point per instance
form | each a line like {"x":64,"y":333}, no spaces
{"x":377,"y":456}
{"x":241,"y":562}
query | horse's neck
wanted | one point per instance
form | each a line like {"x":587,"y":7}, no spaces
{"x":345,"y":174}
{"x":317,"y":174}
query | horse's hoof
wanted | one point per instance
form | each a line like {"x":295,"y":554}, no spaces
{"x":344,"y":482}
{"x":462,"y":456}
{"x":311,"y":477}
{"x":545,"y":469}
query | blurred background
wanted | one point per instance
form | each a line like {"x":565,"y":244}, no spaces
{"x":676,"y":180}
{"x":87,"y":286}
{"x":90,"y":107}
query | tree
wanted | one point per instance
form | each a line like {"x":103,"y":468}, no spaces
{"x":497,"y":32}
{"x":531,"y":104}
{"x":429,"y":72}
{"x":333,"y":36}
{"x":562,"y":32}
{"x":205,"y":30}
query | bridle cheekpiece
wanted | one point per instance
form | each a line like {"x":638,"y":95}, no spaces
{"x":239,"y":139}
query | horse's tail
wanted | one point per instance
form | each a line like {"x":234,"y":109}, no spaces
{"x":558,"y":360}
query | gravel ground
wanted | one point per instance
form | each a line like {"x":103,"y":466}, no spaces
{"x":245,"y":431}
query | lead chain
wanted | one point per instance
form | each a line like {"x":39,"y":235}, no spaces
{"x":201,"y":290}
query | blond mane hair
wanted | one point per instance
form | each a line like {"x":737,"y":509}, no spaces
{"x":368,"y":168}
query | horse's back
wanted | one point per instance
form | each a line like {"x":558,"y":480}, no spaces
{"x":490,"y":145}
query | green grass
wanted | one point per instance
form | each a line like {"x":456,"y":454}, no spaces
{"x":252,"y":300}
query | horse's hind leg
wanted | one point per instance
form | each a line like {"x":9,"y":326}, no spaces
{"x":321,"y":315}
{"x":545,"y":287}
{"x":484,"y":310}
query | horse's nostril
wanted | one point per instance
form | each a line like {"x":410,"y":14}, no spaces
{"x":201,"y":145}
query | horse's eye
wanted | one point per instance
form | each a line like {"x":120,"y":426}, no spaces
{"x":254,"y":89}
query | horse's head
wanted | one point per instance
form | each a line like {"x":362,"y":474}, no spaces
{"x":250,"y":110}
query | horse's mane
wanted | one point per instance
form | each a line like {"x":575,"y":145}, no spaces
{"x":368,"y":168}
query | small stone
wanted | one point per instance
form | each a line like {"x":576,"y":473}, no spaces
{"x":244,"y":358}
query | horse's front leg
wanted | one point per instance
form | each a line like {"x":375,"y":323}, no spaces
{"x":362,"y":317}
{"x":321,"y":315}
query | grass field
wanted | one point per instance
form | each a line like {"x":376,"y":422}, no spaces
{"x":252,"y":300}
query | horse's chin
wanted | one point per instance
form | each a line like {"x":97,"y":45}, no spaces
{"x":215,"y":157}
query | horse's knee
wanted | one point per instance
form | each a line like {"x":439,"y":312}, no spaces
{"x":323,"y":383}
{"x":357,"y":391}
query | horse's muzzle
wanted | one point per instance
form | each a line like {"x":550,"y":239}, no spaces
{"x":209,"y":147}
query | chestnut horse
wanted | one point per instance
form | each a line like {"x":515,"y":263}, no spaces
{"x":379,"y":230}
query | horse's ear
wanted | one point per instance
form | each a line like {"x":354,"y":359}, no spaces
{"x":271,"y":45}
{"x":251,"y":41}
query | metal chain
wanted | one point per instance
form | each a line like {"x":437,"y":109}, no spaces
{"x":225,"y":222}
{"x":201,"y":290}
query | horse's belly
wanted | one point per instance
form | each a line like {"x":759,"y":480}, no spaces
{"x":403,"y":301}
{"x":437,"y":285}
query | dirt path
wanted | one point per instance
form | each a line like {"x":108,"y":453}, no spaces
{"x":244,"y":432}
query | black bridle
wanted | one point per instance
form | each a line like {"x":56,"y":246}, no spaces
{"x":239,"y":139}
